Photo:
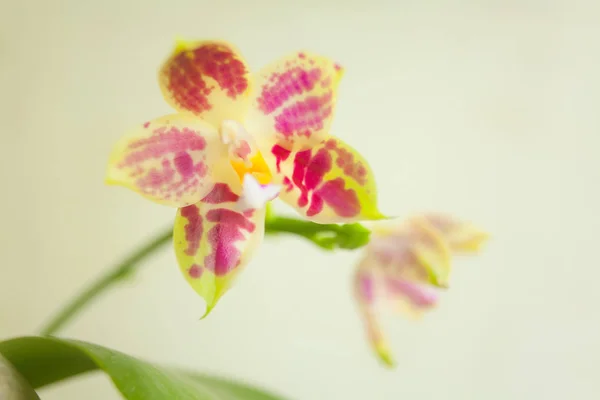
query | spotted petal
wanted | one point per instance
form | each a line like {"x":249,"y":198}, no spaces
{"x":329,"y":183}
{"x":171,"y":160}
{"x":294,"y":100}
{"x":215,"y":237}
{"x":209,"y":79}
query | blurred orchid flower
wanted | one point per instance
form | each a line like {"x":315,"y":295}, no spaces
{"x":235,"y":141}
{"x":407,"y":264}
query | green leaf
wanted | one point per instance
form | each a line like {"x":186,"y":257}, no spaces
{"x":45,"y":360}
{"x":12,"y":385}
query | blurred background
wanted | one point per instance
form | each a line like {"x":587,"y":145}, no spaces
{"x":487,"y":110}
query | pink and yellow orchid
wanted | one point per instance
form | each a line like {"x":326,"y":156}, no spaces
{"x":237,"y":141}
{"x":407,"y":264}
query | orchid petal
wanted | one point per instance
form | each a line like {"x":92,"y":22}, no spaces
{"x":171,"y":160}
{"x":214,"y":239}
{"x":294,"y":101}
{"x":329,"y":183}
{"x":209,"y":79}
{"x":462,"y":237}
{"x":365,"y":291}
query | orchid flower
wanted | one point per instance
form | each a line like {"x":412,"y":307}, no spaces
{"x":407,"y":264}
{"x":237,"y":141}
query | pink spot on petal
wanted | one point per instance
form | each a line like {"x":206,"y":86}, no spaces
{"x":352,"y":168}
{"x":195,"y":271}
{"x":344,"y":202}
{"x":289,"y":186}
{"x":162,"y":142}
{"x":220,"y":193}
{"x":201,"y":169}
{"x":281,"y":87}
{"x":193,"y":229}
{"x":184,"y":164}
{"x":301,"y":161}
{"x":330,"y":144}
{"x":361,"y":173}
{"x":307,"y":176}
{"x":222,"y":237}
{"x":326,"y":82}
{"x":316,"y":205}
{"x":146,"y":124}
{"x":223,"y":215}
{"x":281,"y":154}
{"x":319,"y":165}
{"x":304,"y":117}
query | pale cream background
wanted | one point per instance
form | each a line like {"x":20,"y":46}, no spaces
{"x":485,"y":109}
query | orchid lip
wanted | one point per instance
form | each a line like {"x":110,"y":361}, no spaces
{"x":243,"y":156}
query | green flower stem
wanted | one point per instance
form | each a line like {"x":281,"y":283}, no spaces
{"x":326,"y":236}
{"x":112,"y":276}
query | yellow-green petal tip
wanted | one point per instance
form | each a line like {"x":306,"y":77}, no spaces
{"x":385,"y":356}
